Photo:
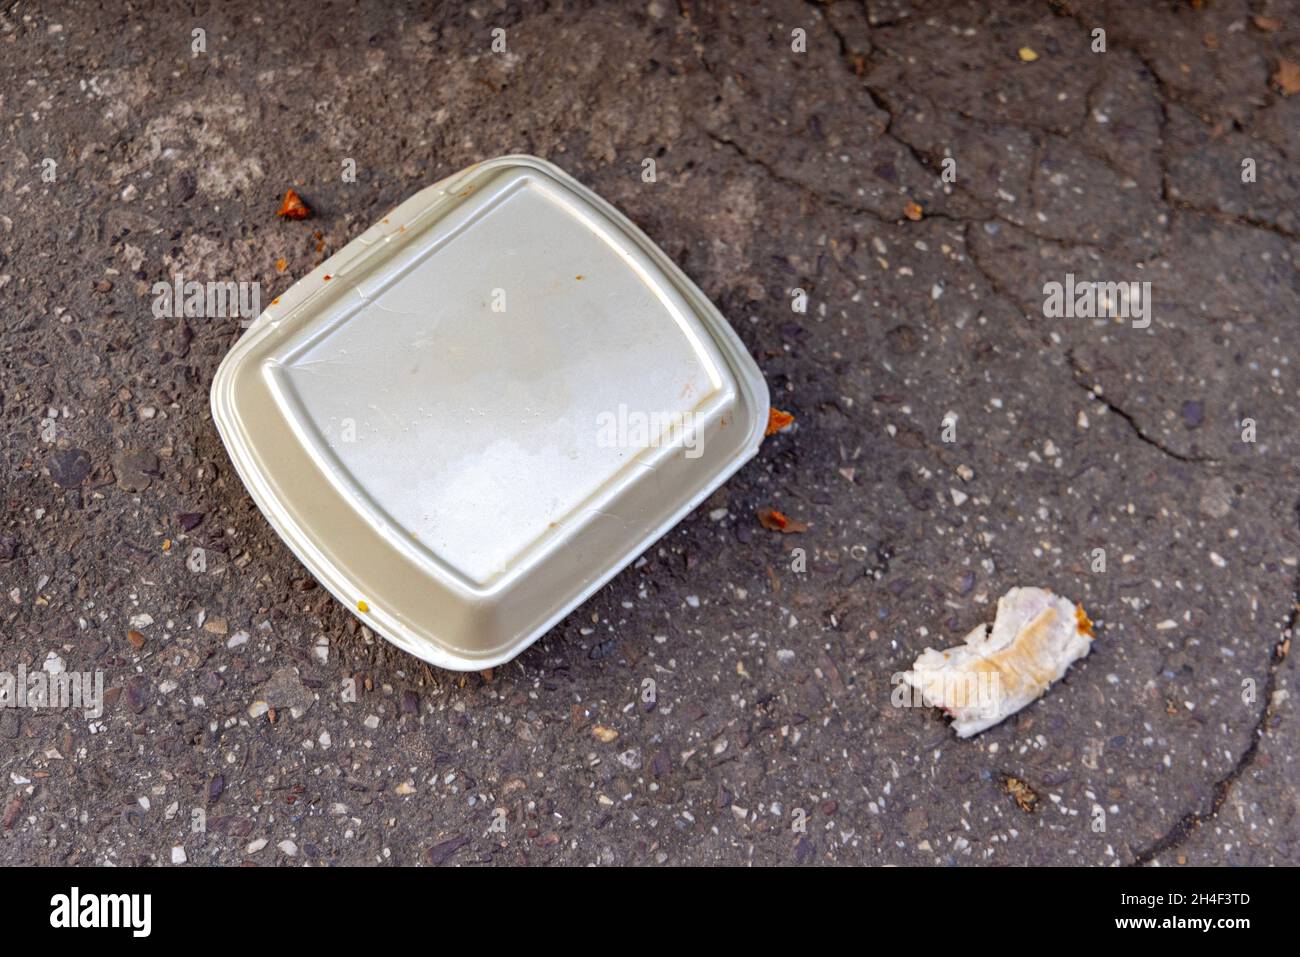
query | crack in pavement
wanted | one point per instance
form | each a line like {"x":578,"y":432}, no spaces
{"x":1244,"y":220}
{"x":792,"y":183}
{"x":1081,"y":374}
{"x":996,"y":286}
{"x":1173,"y":205}
{"x":1164,"y":96}
{"x":929,"y":162}
{"x":1220,"y":790}
{"x":1185,"y":826}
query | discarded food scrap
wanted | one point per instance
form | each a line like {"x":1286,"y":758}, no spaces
{"x":293,"y":207}
{"x":1287,"y":77}
{"x":776,"y":421}
{"x":1025,"y":796}
{"x":1036,"y":636}
{"x":776,"y":521}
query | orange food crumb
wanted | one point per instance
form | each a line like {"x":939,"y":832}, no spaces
{"x":281,"y":264}
{"x":777,"y":420}
{"x":776,"y":521}
{"x":293,"y":207}
{"x":328,"y":277}
{"x":1085,"y":623}
{"x":913,"y":212}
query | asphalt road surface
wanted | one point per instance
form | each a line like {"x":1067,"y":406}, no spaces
{"x":135,"y":150}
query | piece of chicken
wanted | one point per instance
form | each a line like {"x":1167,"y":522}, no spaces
{"x":1036,"y":636}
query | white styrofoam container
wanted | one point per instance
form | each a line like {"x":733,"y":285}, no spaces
{"x":443,"y":421}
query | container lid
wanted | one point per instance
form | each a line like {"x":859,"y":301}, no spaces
{"x":478,"y":411}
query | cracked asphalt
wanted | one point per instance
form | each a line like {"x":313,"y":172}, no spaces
{"x":127,"y":158}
